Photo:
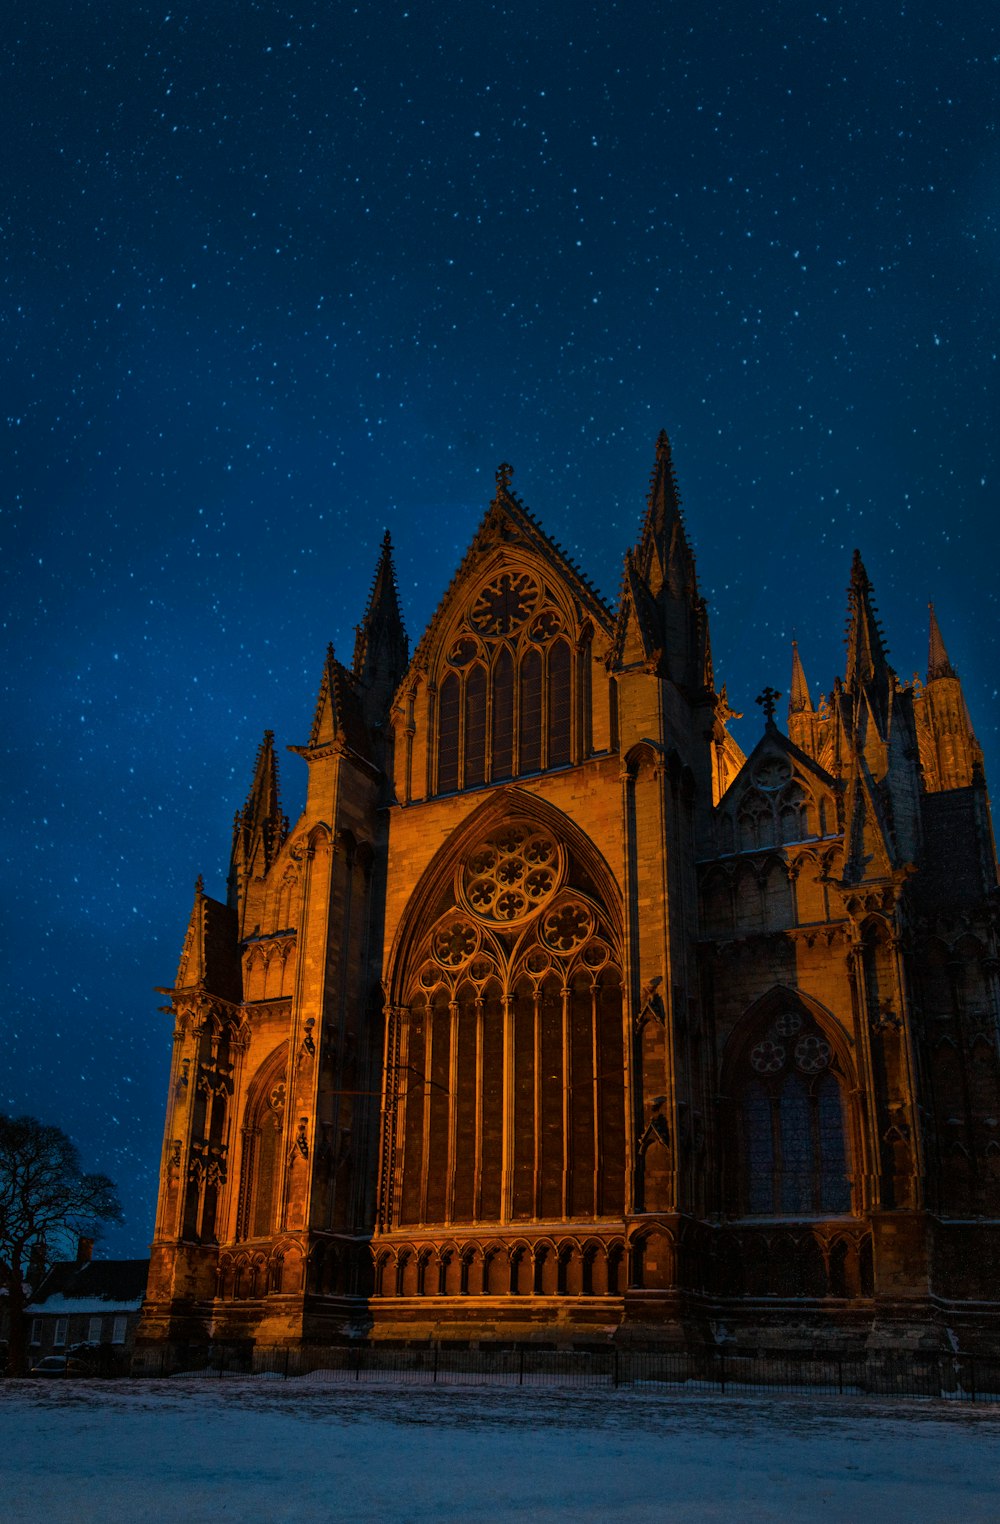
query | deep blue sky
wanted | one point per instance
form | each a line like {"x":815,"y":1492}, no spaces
{"x":277,"y":277}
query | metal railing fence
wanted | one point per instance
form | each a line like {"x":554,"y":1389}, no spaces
{"x":956,"y":1377}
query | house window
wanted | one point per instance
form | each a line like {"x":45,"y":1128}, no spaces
{"x":62,"y":1324}
{"x":94,"y":1331}
{"x":36,"y":1330}
{"x":118,"y":1335}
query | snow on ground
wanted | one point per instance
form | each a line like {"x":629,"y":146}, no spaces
{"x":197,"y":1450}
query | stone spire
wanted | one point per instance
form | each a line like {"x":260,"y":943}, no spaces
{"x":938,"y":664}
{"x":664,"y":564}
{"x":868,"y":671}
{"x":663,"y":528}
{"x":799,"y":701}
{"x":381,"y":648}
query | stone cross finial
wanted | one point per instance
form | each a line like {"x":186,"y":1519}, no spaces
{"x":768,"y":699}
{"x":504,"y":473}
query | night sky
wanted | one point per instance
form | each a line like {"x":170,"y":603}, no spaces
{"x":276,"y":278}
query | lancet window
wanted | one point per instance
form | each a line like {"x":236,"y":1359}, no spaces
{"x":506,"y":698}
{"x":263,"y":1130}
{"x":512,"y":1104}
{"x":793,"y":1138}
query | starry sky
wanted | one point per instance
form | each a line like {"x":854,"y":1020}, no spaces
{"x":278,"y":277}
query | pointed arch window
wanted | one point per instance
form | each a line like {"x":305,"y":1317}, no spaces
{"x":503,"y":716}
{"x":559,"y":704}
{"x":530,"y":738}
{"x":503,"y":710}
{"x":793,"y":1140}
{"x":449,"y":705}
{"x":475,"y":726}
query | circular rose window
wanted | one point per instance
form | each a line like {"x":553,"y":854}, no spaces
{"x":512,"y":874}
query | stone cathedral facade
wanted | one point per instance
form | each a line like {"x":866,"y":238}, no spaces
{"x":555,"y":1017}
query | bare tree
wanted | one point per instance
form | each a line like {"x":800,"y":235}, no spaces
{"x":46,"y":1201}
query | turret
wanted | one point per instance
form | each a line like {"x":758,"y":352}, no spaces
{"x":949,"y":752}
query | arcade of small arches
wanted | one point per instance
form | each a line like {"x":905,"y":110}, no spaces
{"x":269,"y":969}
{"x":540,"y":1267}
{"x":254,"y":1273}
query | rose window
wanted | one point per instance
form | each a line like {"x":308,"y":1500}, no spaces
{"x":767,"y":1057}
{"x":455,"y":943}
{"x":812,"y":1054}
{"x":788,"y":1024}
{"x":504,"y":604}
{"x":567,"y":927}
{"x":511,"y":875}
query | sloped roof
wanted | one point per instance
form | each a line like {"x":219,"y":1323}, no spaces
{"x":109,"y":1283}
{"x":508,"y":521}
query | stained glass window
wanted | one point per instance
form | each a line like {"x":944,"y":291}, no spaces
{"x":559,"y":704}
{"x":531,"y":713}
{"x":448,"y":709}
{"x":475,"y":726}
{"x":503,"y":716}
{"x":793,"y":1138}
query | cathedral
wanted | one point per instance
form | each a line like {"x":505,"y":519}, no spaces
{"x":555,"y":1018}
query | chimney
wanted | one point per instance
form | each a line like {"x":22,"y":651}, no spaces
{"x":84,"y":1251}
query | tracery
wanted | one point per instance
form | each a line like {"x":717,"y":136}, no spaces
{"x":506,"y":692}
{"x":513,"y":1093}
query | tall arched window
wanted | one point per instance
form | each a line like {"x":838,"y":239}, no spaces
{"x":793,"y":1139}
{"x":448,"y":714}
{"x":512,"y":698}
{"x":475,"y":727}
{"x":559,"y":704}
{"x":530,"y":738}
{"x":263,"y":1129}
{"x":503,"y":716}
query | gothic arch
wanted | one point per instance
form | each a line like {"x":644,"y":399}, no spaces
{"x":262,"y":1134}
{"x":791,"y":1131}
{"x":508,"y":971}
{"x":436,"y":879}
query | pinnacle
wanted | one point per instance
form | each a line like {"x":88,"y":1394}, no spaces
{"x":382,"y":615}
{"x":867,"y":658}
{"x":799,"y":701}
{"x":938,"y":664}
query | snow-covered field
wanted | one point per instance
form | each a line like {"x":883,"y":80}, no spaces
{"x":301,"y":1450}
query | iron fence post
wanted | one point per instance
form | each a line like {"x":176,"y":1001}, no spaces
{"x":437,"y":1351}
{"x":520,"y":1366}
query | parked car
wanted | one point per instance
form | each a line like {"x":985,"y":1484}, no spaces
{"x":51,"y":1365}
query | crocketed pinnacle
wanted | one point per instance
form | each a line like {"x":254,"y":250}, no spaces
{"x":938,"y":664}
{"x":799,"y":701}
{"x":867,"y":663}
{"x":383,"y":620}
